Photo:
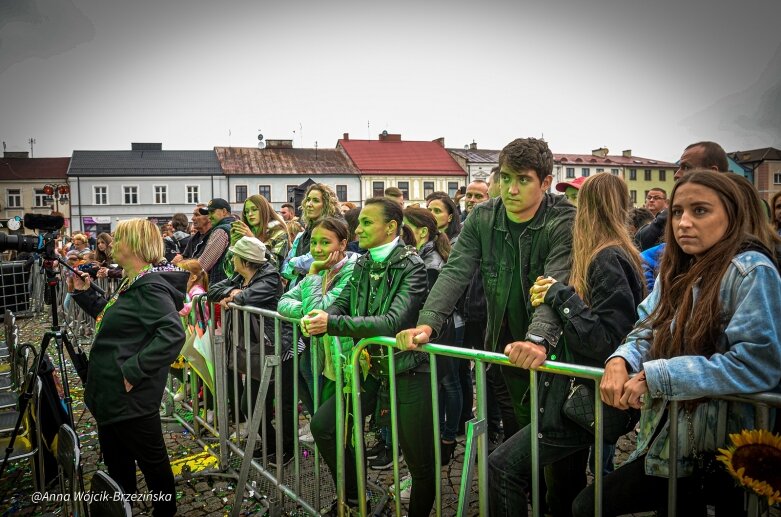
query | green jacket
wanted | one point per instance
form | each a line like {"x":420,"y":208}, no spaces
{"x":308,"y":295}
{"x":402,"y":291}
{"x":485,"y":243}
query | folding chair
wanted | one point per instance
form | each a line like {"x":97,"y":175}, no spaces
{"x":69,"y":468}
{"x":109,"y":505}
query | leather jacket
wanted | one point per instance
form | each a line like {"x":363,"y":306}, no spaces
{"x":485,"y":245}
{"x":402,"y":290}
{"x":433,"y":262}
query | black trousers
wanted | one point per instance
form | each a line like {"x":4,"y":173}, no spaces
{"x":416,"y":436}
{"x":140,"y":440}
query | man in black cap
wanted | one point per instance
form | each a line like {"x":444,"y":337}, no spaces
{"x":217,"y":239}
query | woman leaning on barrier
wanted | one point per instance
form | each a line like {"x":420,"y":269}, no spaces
{"x":138,"y":334}
{"x":257,"y":284}
{"x":385,"y":293}
{"x":597,"y":310}
{"x":696,"y":338}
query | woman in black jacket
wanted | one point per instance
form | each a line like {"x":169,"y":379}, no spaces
{"x":257,"y":283}
{"x":386,"y":292}
{"x":138,"y":334}
{"x":597,"y":308}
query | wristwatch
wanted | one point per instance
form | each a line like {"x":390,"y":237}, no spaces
{"x":538,"y":340}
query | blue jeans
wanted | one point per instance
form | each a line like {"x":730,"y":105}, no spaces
{"x":510,"y":470}
{"x":450,"y":397}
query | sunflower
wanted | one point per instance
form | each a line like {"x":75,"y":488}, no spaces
{"x":754,"y":460}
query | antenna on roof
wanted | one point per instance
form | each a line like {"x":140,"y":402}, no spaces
{"x":261,"y":142}
{"x":368,"y":130}
{"x":315,"y":150}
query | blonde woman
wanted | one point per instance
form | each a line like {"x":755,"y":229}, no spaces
{"x":138,"y":334}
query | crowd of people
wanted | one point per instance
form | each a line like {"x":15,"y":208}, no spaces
{"x":675,"y":300}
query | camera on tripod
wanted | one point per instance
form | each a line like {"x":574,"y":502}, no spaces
{"x":48,"y":227}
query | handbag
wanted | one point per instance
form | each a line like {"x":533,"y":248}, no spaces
{"x":579,"y":407}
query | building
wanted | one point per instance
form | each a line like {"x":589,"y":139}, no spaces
{"x":477,"y":163}
{"x":276,"y":171}
{"x":23,"y":181}
{"x":108,"y":186}
{"x":416,"y":168}
{"x":764,"y":166}
{"x":641,"y":174}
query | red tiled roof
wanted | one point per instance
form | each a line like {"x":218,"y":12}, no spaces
{"x":400,"y":157}
{"x":34,"y":168}
{"x":610,"y":161}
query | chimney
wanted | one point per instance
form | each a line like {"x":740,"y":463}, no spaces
{"x":279,"y":144}
{"x":440,"y":141}
{"x":15,"y":154}
{"x":146,"y":146}
{"x":601,"y":152}
{"x":346,"y":136}
{"x":626,"y":153}
{"x":388,"y":137}
{"x":473,"y":146}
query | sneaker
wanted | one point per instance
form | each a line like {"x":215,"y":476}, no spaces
{"x":209,"y":416}
{"x":406,"y":488}
{"x":242,"y":431}
{"x":376,"y":450}
{"x":383,"y":461}
{"x":306,"y":438}
{"x":179,"y":396}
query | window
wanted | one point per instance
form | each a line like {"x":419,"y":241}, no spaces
{"x":161,"y":194}
{"x":648,"y":175}
{"x":452,"y":188}
{"x":614,"y":172}
{"x":131,"y":195}
{"x":570,"y":172}
{"x":777,"y":178}
{"x":14,"y":198}
{"x":428,"y":188}
{"x":241,"y":193}
{"x":265,"y":191}
{"x":600,"y":169}
{"x":40,"y":198}
{"x":404,"y":187}
{"x":585,"y":171}
{"x":101,"y":195}
{"x":291,"y":193}
{"x":341,"y":193}
{"x":646,"y":194}
{"x":193,"y":195}
{"x":378,"y":188}
{"x":633,"y":195}
{"x":662,"y":175}
{"x":633,"y":174}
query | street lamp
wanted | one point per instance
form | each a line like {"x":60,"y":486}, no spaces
{"x":57,"y":193}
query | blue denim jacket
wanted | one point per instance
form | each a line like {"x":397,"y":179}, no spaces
{"x":747,"y":361}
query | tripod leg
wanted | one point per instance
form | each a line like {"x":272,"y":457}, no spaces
{"x":60,"y":339}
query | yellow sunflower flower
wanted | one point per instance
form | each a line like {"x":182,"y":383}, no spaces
{"x":754,"y":460}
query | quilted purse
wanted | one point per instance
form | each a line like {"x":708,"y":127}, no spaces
{"x":579,"y":407}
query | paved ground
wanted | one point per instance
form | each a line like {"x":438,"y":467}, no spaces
{"x":203,"y":495}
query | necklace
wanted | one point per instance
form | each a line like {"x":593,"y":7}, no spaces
{"x":124,"y":286}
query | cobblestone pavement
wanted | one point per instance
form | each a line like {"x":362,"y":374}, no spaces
{"x":201,"y":496}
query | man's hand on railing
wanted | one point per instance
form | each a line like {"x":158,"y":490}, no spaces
{"x":526,"y":354}
{"x":613,"y":383}
{"x":315,"y":323}
{"x":410,"y":339}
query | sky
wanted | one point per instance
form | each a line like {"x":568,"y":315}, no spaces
{"x":648,"y":75}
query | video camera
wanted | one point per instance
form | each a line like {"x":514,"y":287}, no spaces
{"x":47,"y":225}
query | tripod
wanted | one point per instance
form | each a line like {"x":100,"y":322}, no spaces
{"x":61,"y":341}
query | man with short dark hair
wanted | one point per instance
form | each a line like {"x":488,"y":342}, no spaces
{"x":288,"y":212}
{"x":656,"y":200}
{"x":493,"y":183}
{"x":396,"y":195}
{"x":700,"y":155}
{"x":476,"y":193}
{"x":201,"y":225}
{"x":524,"y":234}
{"x":217,"y":240}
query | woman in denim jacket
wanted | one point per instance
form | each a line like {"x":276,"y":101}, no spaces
{"x":695,"y":338}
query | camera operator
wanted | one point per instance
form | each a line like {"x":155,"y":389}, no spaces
{"x":138,"y":334}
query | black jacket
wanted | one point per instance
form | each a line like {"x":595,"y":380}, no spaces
{"x":591,"y":333}
{"x":141,"y":335}
{"x":402,"y":290}
{"x":433,"y":262}
{"x":652,"y":233}
{"x":262,"y":292}
{"x":485,"y":245}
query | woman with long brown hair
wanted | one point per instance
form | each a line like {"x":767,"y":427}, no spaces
{"x":709,"y":328}
{"x":597,"y":309}
{"x":260,"y":220}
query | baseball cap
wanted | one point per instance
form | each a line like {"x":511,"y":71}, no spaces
{"x":576,"y":183}
{"x":214,"y":204}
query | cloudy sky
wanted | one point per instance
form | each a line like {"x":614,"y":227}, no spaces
{"x":650,"y":75}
